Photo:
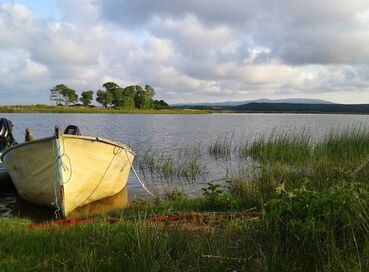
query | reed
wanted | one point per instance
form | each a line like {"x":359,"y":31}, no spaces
{"x":286,"y":147}
{"x":297,"y":161}
{"x":187,"y":164}
{"x":349,"y":144}
{"x":221,"y":147}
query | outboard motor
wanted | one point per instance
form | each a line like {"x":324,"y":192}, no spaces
{"x":6,"y":135}
{"x":72,"y":130}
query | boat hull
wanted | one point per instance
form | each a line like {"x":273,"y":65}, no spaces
{"x":67,"y":171}
{"x":4,"y":176}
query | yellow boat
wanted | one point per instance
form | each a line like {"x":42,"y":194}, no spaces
{"x":68,"y":171}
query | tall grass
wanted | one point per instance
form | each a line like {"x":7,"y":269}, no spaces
{"x":296,"y":160}
{"x":130,"y":246}
{"x":348,"y":145}
{"x":285,"y":147}
{"x":185,"y":165}
{"x":221,"y":147}
{"x":301,"y":230}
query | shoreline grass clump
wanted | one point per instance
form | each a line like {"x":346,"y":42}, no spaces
{"x":187,"y":165}
{"x":338,"y":158}
{"x":221,"y":147}
{"x":287,"y":147}
{"x":349,"y":144}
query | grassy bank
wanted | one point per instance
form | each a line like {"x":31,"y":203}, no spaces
{"x":313,"y":202}
{"x":71,"y":109}
{"x":301,"y":230}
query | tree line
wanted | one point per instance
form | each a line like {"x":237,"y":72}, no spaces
{"x":110,"y":95}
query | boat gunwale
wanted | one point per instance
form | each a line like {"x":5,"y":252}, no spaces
{"x":83,"y":137}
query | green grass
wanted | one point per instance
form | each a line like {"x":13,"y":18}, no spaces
{"x":187,"y":165}
{"x":330,"y":227}
{"x":221,"y":147}
{"x":295,"y":161}
{"x":133,"y":244}
{"x":71,"y":109}
{"x":286,"y":147}
{"x":301,"y":230}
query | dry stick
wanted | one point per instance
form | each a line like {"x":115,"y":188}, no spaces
{"x":226,"y":258}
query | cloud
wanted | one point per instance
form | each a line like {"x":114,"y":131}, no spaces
{"x":189,"y":50}
{"x":136,"y":13}
{"x":298,"y":32}
{"x":82,"y":11}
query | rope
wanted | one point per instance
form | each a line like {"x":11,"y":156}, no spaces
{"x":102,"y":178}
{"x":138,"y":178}
{"x":361,"y":166}
{"x":65,"y":167}
{"x":56,"y":178}
{"x":189,"y":216}
{"x":199,"y":215}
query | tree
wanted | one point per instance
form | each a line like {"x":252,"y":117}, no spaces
{"x":149,"y":91}
{"x":104,"y":97}
{"x":128,"y":97}
{"x":61,"y":93}
{"x":86,"y":97}
{"x":144,"y":97}
{"x":69,"y":95}
{"x":109,"y":86}
{"x":160,"y":104}
{"x":56,"y":95}
{"x":116,"y":92}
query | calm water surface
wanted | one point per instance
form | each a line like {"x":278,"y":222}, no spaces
{"x":171,"y":133}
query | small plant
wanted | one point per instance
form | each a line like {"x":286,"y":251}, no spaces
{"x":216,"y":198}
{"x":212,"y":192}
{"x":176,"y":195}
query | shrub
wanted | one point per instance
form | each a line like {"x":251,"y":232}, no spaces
{"x":330,"y":227}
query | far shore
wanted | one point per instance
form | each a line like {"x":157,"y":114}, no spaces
{"x":82,"y":109}
{"x":206,"y":110}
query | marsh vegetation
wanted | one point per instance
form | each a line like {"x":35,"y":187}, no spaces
{"x":312,"y":197}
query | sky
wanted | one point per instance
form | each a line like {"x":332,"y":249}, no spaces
{"x":188,"y":50}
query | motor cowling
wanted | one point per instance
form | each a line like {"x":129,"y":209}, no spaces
{"x":72,"y":130}
{"x":6,"y":136}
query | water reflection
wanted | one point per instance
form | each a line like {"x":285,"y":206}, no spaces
{"x":170,"y":134}
{"x":11,"y":205}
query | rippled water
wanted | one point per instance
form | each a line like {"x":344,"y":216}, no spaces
{"x":170,"y":134}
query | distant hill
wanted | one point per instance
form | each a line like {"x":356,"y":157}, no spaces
{"x":262,"y":100}
{"x":302,"y":108}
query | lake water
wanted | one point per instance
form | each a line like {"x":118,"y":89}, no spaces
{"x":172,"y":139}
{"x":171,"y":134}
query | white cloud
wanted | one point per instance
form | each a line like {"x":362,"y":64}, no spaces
{"x":189,"y":50}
